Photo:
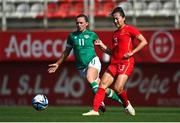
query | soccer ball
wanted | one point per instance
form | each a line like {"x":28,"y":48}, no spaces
{"x":40,"y":102}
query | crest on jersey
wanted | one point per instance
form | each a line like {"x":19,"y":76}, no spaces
{"x":75,"y":37}
{"x":115,"y":41}
{"x":86,"y":36}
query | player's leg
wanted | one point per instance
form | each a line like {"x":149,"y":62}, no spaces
{"x":106,"y":81}
{"x":92,"y":74}
{"x":119,"y":88}
{"x":112,"y":95}
{"x":86,"y":74}
{"x":92,"y":77}
{"x":112,"y":69}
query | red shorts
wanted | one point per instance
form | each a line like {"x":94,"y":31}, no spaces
{"x":121,"y":68}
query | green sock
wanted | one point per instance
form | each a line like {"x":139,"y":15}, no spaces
{"x":94,"y":87}
{"x":111,"y":94}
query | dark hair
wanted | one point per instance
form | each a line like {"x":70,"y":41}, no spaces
{"x":120,"y":10}
{"x":84,"y":16}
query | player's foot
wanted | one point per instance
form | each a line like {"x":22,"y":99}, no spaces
{"x":91,"y":113}
{"x":130,"y":110}
{"x":102,"y":107}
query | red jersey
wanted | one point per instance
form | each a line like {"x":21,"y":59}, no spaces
{"x":122,"y":43}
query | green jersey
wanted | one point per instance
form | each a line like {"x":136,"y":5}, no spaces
{"x":83,"y":47}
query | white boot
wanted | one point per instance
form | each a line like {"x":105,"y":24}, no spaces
{"x":91,"y":113}
{"x":130,"y":110}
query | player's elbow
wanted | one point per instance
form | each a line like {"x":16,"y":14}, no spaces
{"x":144,"y":42}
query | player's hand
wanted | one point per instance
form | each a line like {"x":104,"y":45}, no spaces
{"x":128,"y":55}
{"x":53,"y":68}
{"x":98,"y":42}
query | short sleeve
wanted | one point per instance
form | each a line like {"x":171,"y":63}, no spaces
{"x":134,"y":32}
{"x":95,"y":36}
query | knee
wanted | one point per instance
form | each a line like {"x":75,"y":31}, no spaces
{"x":118,"y":89}
{"x":103,"y":85}
{"x":90,"y":78}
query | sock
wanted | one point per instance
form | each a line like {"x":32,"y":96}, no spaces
{"x":94,"y":87}
{"x":99,"y":97}
{"x":124,"y":98}
{"x":111,"y":94}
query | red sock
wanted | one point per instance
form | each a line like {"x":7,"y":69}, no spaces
{"x":124,"y":98}
{"x":99,"y":97}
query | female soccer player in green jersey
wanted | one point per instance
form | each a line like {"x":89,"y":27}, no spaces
{"x":87,"y":62}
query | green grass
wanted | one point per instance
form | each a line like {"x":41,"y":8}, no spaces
{"x":73,"y":114}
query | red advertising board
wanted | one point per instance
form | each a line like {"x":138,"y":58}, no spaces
{"x":48,"y":45}
{"x":21,"y":81}
{"x":149,"y":85}
{"x":155,"y":85}
{"x":24,"y":59}
{"x":30,"y":46}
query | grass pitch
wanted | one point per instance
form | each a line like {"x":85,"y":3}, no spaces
{"x":73,"y":114}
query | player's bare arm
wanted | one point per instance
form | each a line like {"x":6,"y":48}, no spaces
{"x":103,"y":47}
{"x":54,"y":66}
{"x":140,"y":46}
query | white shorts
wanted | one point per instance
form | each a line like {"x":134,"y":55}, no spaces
{"x":95,"y":63}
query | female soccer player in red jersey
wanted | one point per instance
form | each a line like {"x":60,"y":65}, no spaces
{"x":121,"y":63}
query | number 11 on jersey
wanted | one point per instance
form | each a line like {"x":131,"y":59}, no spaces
{"x":81,"y":42}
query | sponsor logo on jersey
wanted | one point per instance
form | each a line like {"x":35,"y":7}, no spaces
{"x":115,"y":41}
